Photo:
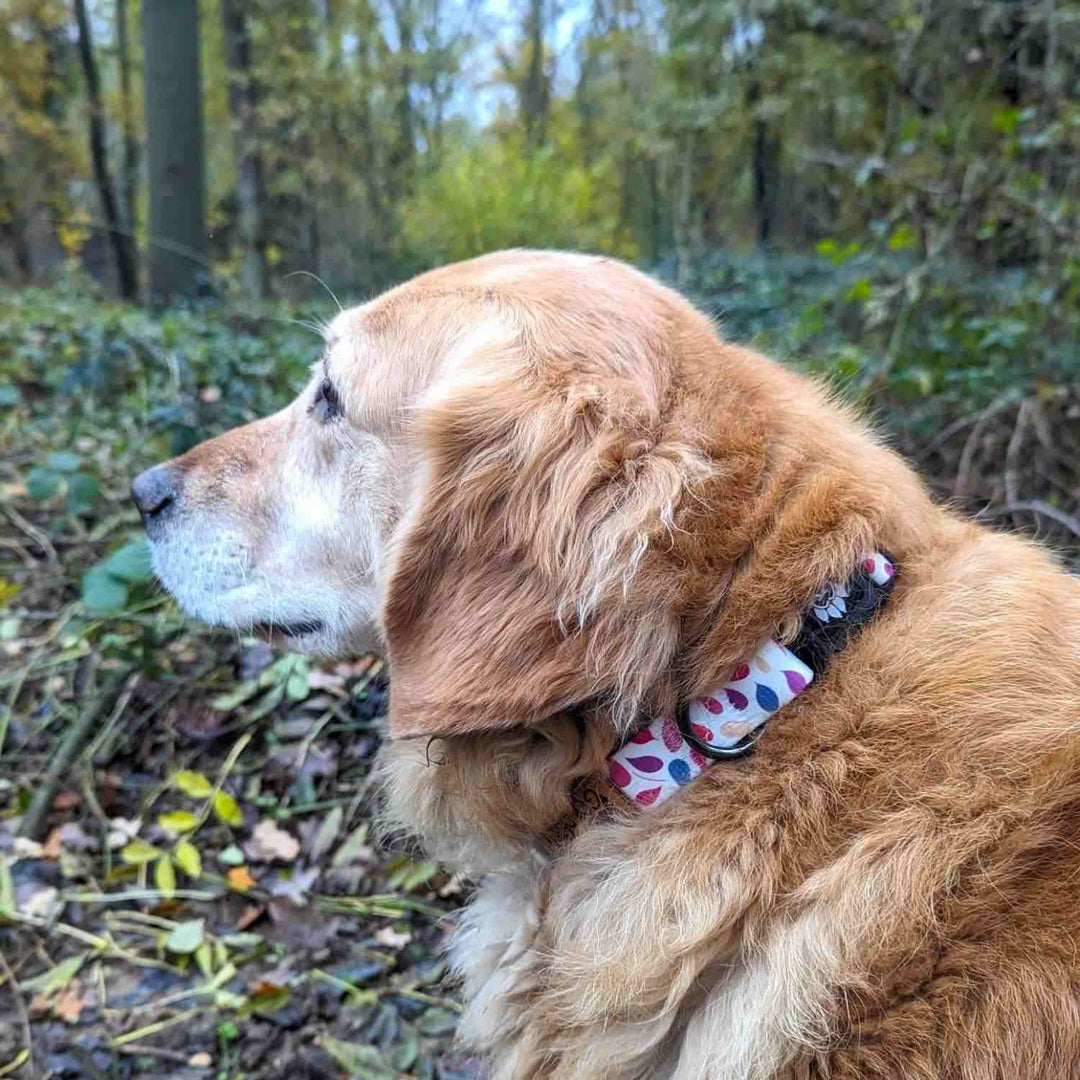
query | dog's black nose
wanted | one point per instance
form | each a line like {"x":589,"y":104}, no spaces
{"x":155,"y":492}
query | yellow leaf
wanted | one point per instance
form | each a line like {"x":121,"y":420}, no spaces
{"x":188,"y":858}
{"x":273,"y":254}
{"x":226,"y":808}
{"x":239,"y":878}
{"x":178,"y":821}
{"x":165,"y":877}
{"x":204,"y":957}
{"x":138,"y":852}
{"x":192,"y":783}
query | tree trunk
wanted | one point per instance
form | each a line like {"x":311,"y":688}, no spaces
{"x":127,"y":112}
{"x":121,"y":243}
{"x":766,"y":169}
{"x":250,"y":185}
{"x":536,"y":95}
{"x":175,"y":164}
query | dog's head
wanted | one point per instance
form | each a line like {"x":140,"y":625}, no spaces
{"x":536,"y":480}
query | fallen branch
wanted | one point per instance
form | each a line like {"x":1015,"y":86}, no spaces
{"x":1035,"y":506}
{"x":33,"y":822}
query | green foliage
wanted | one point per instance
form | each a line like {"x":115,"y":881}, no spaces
{"x":107,"y":584}
{"x":502,"y":193}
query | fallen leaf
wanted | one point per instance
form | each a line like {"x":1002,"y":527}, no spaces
{"x":354,"y":848}
{"x":73,"y":838}
{"x":357,"y":1060}
{"x":178,"y":821}
{"x":326,"y":835}
{"x":188,"y":858}
{"x":165,"y":877}
{"x":55,"y":978}
{"x":51,"y":848}
{"x":227,"y":809}
{"x":268,"y":842}
{"x":138,"y":852}
{"x":69,"y":1004}
{"x":239,"y":878}
{"x":201,"y":1060}
{"x":121,"y":830}
{"x":296,"y":885}
{"x":249,"y":916}
{"x":231,"y":856}
{"x":24,"y":848}
{"x":186,"y":937}
{"x":44,"y":903}
{"x":391,"y":938}
{"x":192,"y":783}
{"x":323,"y":680}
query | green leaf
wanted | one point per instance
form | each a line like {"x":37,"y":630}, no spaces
{"x":226,"y":809}
{"x":42,"y":484}
{"x":82,"y":493}
{"x":270,"y":700}
{"x":138,"y":852}
{"x":412,"y":875}
{"x":231,"y":856}
{"x":188,"y":858}
{"x":192,"y":783}
{"x":237,"y":696}
{"x":102,"y":593}
{"x":56,"y":978}
{"x":437,"y":1021}
{"x":178,"y":821}
{"x":904,"y":237}
{"x":63,"y":461}
{"x":165,"y":877}
{"x":130,"y":563}
{"x":204,"y":957}
{"x":186,"y":937}
{"x":403,"y":1057}
{"x":361,"y":1062}
{"x":296,"y":688}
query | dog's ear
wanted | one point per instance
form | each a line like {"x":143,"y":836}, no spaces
{"x":539,"y":564}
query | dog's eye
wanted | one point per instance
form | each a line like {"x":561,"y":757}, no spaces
{"x":327,"y":404}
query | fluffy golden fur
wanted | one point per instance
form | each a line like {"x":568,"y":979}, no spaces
{"x":563,"y":503}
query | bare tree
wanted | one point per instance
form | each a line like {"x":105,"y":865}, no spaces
{"x":175,"y":155}
{"x":250,"y":183}
{"x":122,"y":243}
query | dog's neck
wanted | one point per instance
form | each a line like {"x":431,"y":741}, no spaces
{"x":671,"y":751}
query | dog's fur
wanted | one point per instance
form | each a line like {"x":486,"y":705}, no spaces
{"x":564,"y":504}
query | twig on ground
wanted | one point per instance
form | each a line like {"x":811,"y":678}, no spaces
{"x":33,"y":823}
{"x":155,"y":1051}
{"x":1012,"y":458}
{"x":34,"y":533}
{"x":20,"y":1008}
{"x":967,"y":456}
{"x":1035,"y":506}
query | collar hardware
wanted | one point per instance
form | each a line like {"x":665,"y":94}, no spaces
{"x":726,"y":723}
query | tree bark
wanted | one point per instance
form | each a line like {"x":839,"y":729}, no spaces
{"x":250,"y":183}
{"x":127,"y":112}
{"x":536,"y":96}
{"x":175,"y":154}
{"x":121,"y":243}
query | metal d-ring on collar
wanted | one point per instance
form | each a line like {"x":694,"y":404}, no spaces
{"x":717,"y":753}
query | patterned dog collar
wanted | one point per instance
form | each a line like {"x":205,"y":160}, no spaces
{"x":726,"y":722}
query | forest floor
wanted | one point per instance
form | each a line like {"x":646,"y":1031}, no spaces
{"x":190,"y":883}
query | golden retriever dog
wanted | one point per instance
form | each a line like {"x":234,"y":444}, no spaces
{"x":571,"y":515}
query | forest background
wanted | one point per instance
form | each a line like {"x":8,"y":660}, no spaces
{"x":885,"y":193}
